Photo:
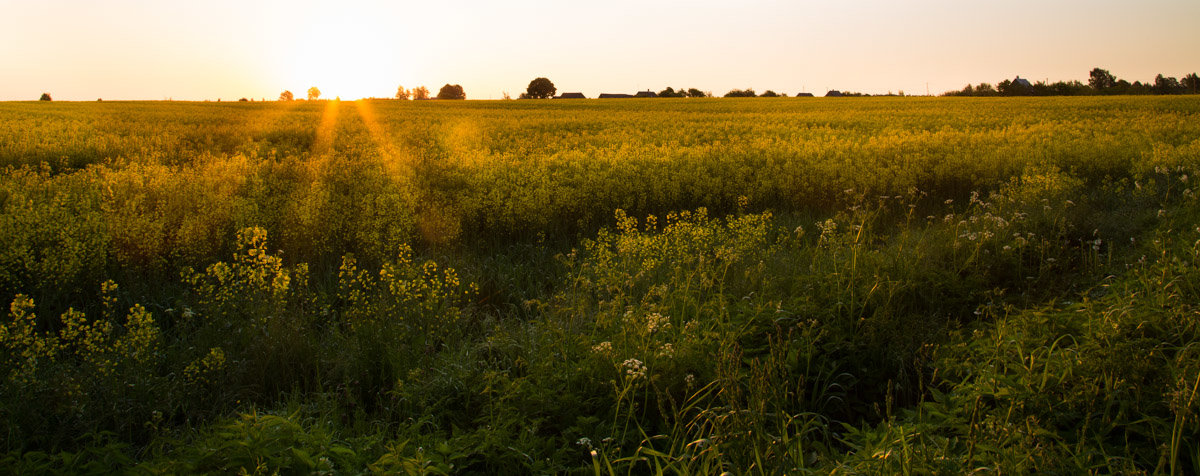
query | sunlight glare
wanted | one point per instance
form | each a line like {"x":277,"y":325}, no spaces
{"x":348,"y":54}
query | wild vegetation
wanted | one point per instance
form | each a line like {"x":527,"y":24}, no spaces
{"x":889,"y":285}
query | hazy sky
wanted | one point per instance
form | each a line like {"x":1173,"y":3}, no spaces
{"x":208,"y":49}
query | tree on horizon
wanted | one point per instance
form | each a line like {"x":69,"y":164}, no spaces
{"x":1101,"y":79}
{"x":540,"y":88}
{"x":452,"y":91}
{"x":314,"y":93}
{"x":286,"y":96}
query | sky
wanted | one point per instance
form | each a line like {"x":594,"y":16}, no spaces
{"x":228,"y":49}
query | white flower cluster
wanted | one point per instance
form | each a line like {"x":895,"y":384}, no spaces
{"x":634,"y":368}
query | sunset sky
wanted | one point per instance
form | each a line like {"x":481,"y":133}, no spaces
{"x":159,"y":49}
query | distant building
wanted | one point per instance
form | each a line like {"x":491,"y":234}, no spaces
{"x":571,"y":96}
{"x":804,"y":95}
{"x":645,"y":94}
{"x":833,"y":94}
{"x":1022,"y":83}
{"x":614,"y":96}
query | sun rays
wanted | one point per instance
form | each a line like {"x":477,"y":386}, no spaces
{"x":323,"y":142}
{"x":395,"y":160}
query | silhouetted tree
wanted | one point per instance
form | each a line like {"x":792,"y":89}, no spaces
{"x":421,"y":92}
{"x":672,"y":93}
{"x":1005,"y":88}
{"x":286,"y":96}
{"x":451,"y":91}
{"x":696,"y":93}
{"x":539,"y":88}
{"x":1166,"y":85}
{"x":402,"y":93}
{"x":967,"y":90}
{"x":741,"y":93}
{"x":45,"y":97}
{"x":1191,"y":83}
{"x":769,"y":94}
{"x":1101,"y":79}
{"x":313,"y":93}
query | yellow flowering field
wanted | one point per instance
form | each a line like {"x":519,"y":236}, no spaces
{"x":685,"y":286}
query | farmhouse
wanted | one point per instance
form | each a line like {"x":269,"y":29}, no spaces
{"x":833,"y":94}
{"x":614,"y":96}
{"x":804,"y":95}
{"x":645,"y":94}
{"x":571,"y":96}
{"x":1022,"y":83}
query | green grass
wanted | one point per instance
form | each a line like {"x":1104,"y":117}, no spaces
{"x":759,"y":286}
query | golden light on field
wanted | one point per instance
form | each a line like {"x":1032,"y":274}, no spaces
{"x":395,"y":160}
{"x":323,"y":142}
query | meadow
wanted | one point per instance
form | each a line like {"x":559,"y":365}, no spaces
{"x":662,"y":286}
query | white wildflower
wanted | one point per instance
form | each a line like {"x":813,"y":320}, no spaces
{"x":634,"y":368}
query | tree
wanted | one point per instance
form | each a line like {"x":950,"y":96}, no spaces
{"x":1005,"y":88}
{"x":402,"y":93}
{"x":769,"y":94}
{"x":540,"y":88}
{"x":1101,"y":79}
{"x":45,"y":97}
{"x":286,"y":96}
{"x":1191,"y":82}
{"x":696,"y":93}
{"x":421,"y":92}
{"x":672,"y":93}
{"x":313,"y":93}
{"x":740,"y":93}
{"x":451,"y":91}
{"x":1164,"y":85}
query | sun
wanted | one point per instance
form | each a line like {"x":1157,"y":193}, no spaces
{"x":344,"y":55}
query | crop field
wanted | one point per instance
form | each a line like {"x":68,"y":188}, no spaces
{"x":642,"y":286}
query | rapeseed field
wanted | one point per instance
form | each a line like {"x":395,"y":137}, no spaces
{"x":663,"y":286}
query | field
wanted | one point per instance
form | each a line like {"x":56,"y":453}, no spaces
{"x":689,"y":286}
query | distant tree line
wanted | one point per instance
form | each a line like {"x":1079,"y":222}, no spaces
{"x":1100,"y":81}
{"x":449,"y":91}
{"x":682,"y":93}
